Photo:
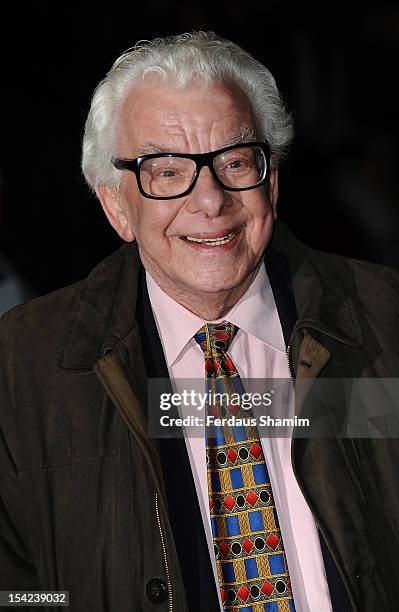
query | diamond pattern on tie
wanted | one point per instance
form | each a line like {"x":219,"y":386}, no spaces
{"x":249,"y":551}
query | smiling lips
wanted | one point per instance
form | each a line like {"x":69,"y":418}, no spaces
{"x":218,"y":241}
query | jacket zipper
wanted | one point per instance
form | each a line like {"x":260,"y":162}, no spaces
{"x":288,"y":353}
{"x":104,"y":380}
{"x":165,"y":556}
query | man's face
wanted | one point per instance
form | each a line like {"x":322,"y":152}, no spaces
{"x":196,"y":119}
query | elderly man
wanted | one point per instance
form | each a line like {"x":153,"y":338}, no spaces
{"x":182,"y":145}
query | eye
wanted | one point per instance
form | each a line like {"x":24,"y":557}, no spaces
{"x":167,"y":173}
{"x":238,"y":164}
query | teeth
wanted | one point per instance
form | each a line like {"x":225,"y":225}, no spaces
{"x":213,"y":241}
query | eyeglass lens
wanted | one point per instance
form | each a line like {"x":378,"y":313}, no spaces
{"x":239,"y":168}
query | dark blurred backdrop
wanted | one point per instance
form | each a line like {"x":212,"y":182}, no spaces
{"x":336,"y":64}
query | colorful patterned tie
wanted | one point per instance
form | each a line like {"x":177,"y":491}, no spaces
{"x":250,"y":558}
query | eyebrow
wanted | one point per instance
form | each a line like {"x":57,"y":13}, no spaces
{"x":149,"y":147}
{"x":243,"y":135}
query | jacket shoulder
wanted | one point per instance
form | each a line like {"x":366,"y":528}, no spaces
{"x":365,"y":278}
{"x":332,"y":269}
{"x":381,"y":276}
{"x":39,"y":313}
{"x":50,"y":313}
{"x":368,"y":292}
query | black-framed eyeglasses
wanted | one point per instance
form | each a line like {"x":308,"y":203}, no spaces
{"x":164,"y":176}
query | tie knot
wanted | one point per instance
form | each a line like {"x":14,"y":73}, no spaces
{"x":215,"y":338}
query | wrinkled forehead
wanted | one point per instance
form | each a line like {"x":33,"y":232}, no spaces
{"x":159,"y":117}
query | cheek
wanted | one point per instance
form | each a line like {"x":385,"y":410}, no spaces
{"x":258,"y":207}
{"x":131,"y":201}
{"x":150,"y":219}
{"x":260,"y":222}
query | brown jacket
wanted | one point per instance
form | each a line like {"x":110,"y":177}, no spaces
{"x":82,"y":505}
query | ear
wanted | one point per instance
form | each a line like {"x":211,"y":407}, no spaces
{"x":110,"y":198}
{"x":273,"y":190}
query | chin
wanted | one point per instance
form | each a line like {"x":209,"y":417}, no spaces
{"x":215,"y":284}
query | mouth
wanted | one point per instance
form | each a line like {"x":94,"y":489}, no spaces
{"x":212,"y":241}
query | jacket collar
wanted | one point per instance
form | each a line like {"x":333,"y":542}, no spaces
{"x":103,"y":313}
{"x":104,"y":310}
{"x":323,"y":288}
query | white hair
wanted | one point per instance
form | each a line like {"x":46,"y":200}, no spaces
{"x":198,"y":55}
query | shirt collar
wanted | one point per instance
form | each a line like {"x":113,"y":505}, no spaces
{"x":255,"y":313}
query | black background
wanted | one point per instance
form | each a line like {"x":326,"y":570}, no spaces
{"x":335,"y":63}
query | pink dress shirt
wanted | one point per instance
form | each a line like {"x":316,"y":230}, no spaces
{"x":258,"y":351}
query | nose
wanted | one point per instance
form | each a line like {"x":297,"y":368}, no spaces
{"x":207,"y":195}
